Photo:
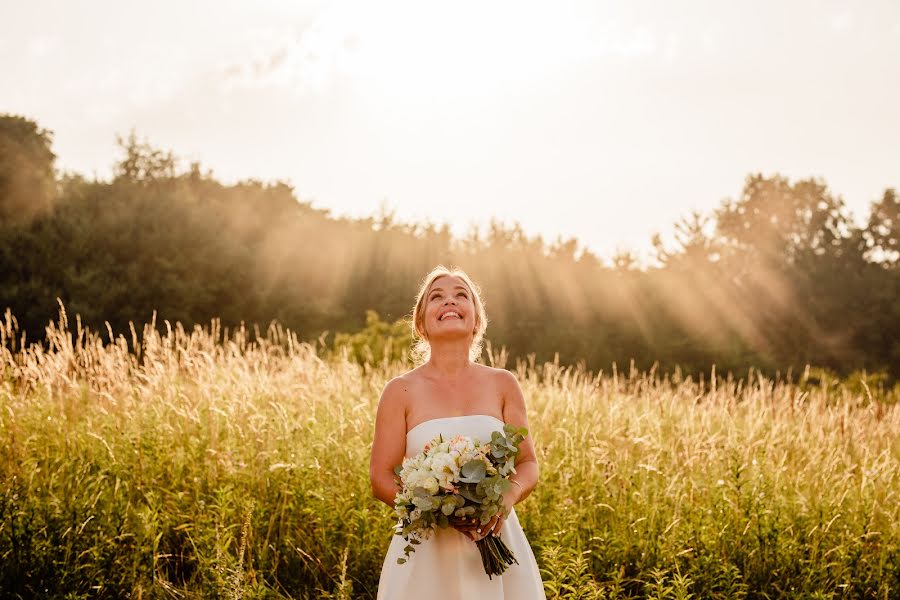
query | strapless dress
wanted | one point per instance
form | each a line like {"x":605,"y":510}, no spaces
{"x":447,"y":565}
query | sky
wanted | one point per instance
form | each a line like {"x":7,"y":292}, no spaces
{"x":603,"y":121}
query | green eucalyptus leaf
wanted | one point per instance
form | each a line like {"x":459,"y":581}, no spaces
{"x":471,"y":493}
{"x":472,"y":472}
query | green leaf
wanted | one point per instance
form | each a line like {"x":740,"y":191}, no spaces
{"x":472,"y":472}
{"x":470,"y":494}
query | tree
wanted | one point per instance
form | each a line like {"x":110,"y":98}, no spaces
{"x":142,"y":162}
{"x":883,"y":230}
{"x":27,"y":181}
{"x":695,"y":247}
{"x":779,"y":222}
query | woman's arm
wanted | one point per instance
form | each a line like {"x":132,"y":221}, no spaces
{"x":526,"y":476}
{"x":527,"y":471}
{"x":389,"y":444}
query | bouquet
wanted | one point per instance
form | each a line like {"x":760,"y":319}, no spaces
{"x":463,"y":478}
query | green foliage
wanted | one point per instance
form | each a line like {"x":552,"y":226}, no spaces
{"x":473,"y":471}
{"x":505,"y":447}
{"x":883,"y":231}
{"x":866,"y":386}
{"x":779,"y":221}
{"x":779,"y":278}
{"x":566,"y":573}
{"x":221,"y":467}
{"x":27,"y":182}
{"x":142,"y":163}
{"x":379,"y":341}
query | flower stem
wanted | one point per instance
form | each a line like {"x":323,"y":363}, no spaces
{"x":495,"y":555}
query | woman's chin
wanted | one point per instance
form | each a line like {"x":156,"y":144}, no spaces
{"x":449,"y":333}
{"x":452,"y":325}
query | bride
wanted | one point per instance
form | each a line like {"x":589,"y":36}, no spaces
{"x":450,"y":394}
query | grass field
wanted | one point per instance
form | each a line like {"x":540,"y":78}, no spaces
{"x":206,"y":465}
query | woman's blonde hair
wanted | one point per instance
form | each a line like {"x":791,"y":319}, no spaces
{"x":421,"y":350}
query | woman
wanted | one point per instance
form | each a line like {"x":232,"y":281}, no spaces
{"x":449,"y":393}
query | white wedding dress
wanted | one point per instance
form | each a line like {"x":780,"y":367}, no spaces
{"x":447,"y":566}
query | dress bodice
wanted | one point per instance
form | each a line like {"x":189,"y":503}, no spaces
{"x":478,"y":427}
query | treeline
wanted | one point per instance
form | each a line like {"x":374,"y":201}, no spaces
{"x":776,"y":279}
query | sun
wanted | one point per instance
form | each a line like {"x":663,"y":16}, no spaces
{"x":418,"y":51}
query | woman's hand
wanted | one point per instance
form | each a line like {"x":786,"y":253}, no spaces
{"x":492,"y":527}
{"x":467,"y":525}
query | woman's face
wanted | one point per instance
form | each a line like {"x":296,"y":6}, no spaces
{"x":449,"y":308}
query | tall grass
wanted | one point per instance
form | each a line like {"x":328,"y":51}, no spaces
{"x":234,"y":464}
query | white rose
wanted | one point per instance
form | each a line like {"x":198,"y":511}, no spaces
{"x":430,"y":484}
{"x":460,"y":445}
{"x":445,"y":469}
{"x":417,"y":477}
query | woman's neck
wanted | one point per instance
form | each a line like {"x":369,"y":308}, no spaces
{"x":449,"y":360}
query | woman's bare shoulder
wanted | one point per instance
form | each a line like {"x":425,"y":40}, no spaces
{"x":402,"y":384}
{"x":500,"y":380}
{"x":501,"y":375}
{"x":409,"y":377}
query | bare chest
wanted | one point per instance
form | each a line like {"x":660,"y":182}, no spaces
{"x":429,"y":400}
